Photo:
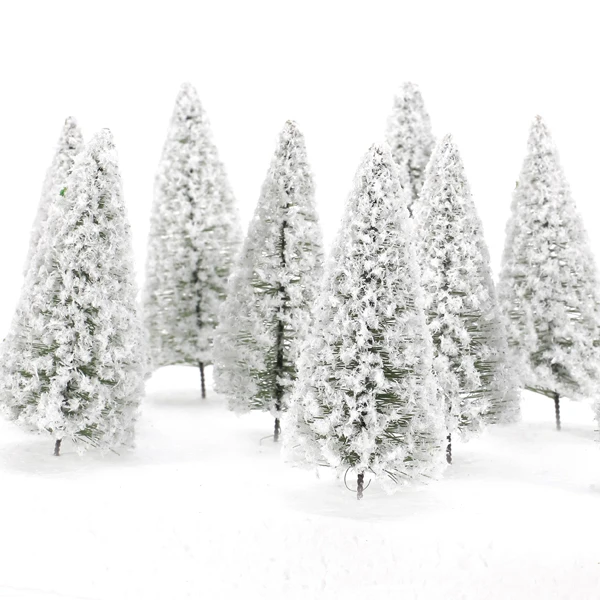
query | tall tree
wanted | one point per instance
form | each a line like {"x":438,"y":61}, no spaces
{"x":70,"y":143}
{"x":410,"y":138}
{"x":548,"y":285}
{"x":267,"y":312}
{"x":72,"y":364}
{"x":366,"y":395}
{"x":194,"y":237}
{"x":471,"y":359}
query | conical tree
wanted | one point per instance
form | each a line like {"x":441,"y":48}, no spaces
{"x":410,"y":137}
{"x":470,"y":349}
{"x":366,"y":395}
{"x":72,"y":364}
{"x":194,"y":238}
{"x":70,"y":143}
{"x":267,"y":311}
{"x":548,"y":285}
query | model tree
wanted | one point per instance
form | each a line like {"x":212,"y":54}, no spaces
{"x":267,"y":312}
{"x":410,"y":138}
{"x":194,"y":238}
{"x":69,"y":145}
{"x":471,"y":362}
{"x":366,"y":395}
{"x":548,"y":285}
{"x":72,"y":364}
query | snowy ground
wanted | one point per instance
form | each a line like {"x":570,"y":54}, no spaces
{"x":202,"y":510}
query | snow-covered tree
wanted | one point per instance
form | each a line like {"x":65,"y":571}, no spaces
{"x":267,"y":311}
{"x":471,"y":359}
{"x":69,"y":145}
{"x":194,"y":238}
{"x":366,"y":395}
{"x":72,"y":364}
{"x":410,"y":138}
{"x":548,"y":285}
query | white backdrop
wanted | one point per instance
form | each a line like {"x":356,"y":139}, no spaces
{"x":484,"y":70}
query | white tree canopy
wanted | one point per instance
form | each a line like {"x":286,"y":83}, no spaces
{"x":72,"y":364}
{"x":267,"y":311}
{"x":410,"y":137}
{"x":366,"y":396}
{"x":548,"y":284}
{"x":194,"y":238}
{"x":471,"y":359}
{"x":70,"y":143}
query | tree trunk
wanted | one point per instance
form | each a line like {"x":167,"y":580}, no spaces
{"x":557,"y":410}
{"x":276,"y":430}
{"x":57,"y":444}
{"x":360,"y":480}
{"x":449,"y":450}
{"x":201,"y":366}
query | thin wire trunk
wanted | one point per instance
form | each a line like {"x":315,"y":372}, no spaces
{"x":202,"y":383}
{"x":557,"y":410}
{"x":360,"y":480}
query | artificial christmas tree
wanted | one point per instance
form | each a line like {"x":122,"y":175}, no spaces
{"x":267,"y":311}
{"x":69,"y":145}
{"x":548,"y":286}
{"x":366,"y":396}
{"x":194,"y":238}
{"x":410,"y":138}
{"x":471,"y":359}
{"x":72,"y":364}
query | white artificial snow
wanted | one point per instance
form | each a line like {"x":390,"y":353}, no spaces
{"x":271,"y":292}
{"x":548,"y":286}
{"x":201,"y":509}
{"x":410,"y":138}
{"x":471,"y":360}
{"x":72,"y":364}
{"x":69,"y":145}
{"x":366,"y":396}
{"x":194,"y":237}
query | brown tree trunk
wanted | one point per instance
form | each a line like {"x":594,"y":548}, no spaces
{"x":57,"y":444}
{"x":449,"y":450}
{"x":276,"y":430}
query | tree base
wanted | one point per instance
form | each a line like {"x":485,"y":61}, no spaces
{"x":449,"y":450}
{"x":57,"y":445}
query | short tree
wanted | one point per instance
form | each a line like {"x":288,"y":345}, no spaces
{"x":194,"y":237}
{"x":69,"y":145}
{"x":548,"y":285}
{"x":267,"y":311}
{"x":410,"y":137}
{"x":366,"y":395}
{"x":470,"y":348}
{"x":72,"y":364}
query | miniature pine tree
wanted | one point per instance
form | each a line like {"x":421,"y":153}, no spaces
{"x":267,"y":311}
{"x":548,"y":284}
{"x":470,"y":350}
{"x":410,"y":138}
{"x":194,"y":238}
{"x":72,"y":364}
{"x":366,"y":395}
{"x":69,"y":145}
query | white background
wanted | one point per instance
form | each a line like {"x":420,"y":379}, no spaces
{"x":484,"y":69}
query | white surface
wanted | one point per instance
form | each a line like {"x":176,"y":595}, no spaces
{"x":201,"y":510}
